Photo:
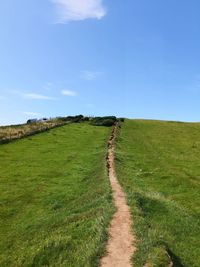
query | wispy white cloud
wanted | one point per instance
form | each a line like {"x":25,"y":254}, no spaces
{"x":29,"y":113}
{"x":68,"y":93}
{"x":75,"y":10}
{"x":90,"y":75}
{"x":34,"y":96}
{"x":37,"y":96}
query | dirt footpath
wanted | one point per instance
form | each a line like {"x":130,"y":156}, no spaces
{"x":120,"y":247}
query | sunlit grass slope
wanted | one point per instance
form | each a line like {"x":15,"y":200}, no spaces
{"x":55,"y":199}
{"x":158,"y":164}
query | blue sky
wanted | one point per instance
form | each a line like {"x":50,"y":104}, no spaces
{"x":133,"y":58}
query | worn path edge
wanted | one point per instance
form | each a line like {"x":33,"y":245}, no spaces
{"x":121,"y":241}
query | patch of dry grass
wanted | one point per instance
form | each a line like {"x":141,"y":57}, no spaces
{"x":13,"y":132}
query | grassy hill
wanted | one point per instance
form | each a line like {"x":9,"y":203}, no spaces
{"x":158,"y":165}
{"x":55,"y":199}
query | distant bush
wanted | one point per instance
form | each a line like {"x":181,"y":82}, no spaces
{"x":31,"y":121}
{"x":104,"y":121}
{"x":77,"y":118}
{"x":86,"y":119}
{"x":121,"y":119}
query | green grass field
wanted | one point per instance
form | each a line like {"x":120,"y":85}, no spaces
{"x":55,"y":198}
{"x":56,"y":204}
{"x":158,"y":165}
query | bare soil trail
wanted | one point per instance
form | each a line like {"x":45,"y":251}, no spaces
{"x":120,"y":246}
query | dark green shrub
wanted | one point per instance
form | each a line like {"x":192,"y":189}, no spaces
{"x":108,"y":122}
{"x":77,"y":118}
{"x":104,"y":121}
{"x":86,"y":119}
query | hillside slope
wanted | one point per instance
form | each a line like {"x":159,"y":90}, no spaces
{"x":55,"y":199}
{"x":158,"y":165}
